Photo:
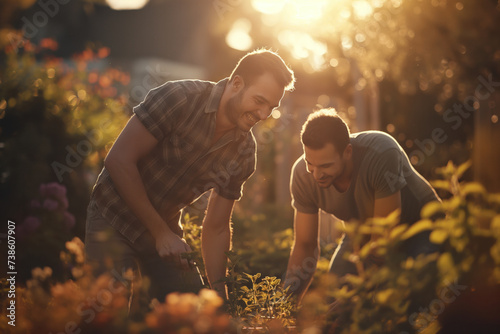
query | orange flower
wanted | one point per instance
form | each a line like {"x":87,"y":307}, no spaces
{"x":93,"y":77}
{"x":103,"y":52}
{"x":104,"y":81}
{"x":49,"y":43}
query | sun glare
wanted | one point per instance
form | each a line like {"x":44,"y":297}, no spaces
{"x":362,"y":9}
{"x":238,"y":37}
{"x":126,"y":4}
{"x":308,"y":9}
{"x":303,"y":43}
{"x":269,"y":6}
{"x":301,"y":25}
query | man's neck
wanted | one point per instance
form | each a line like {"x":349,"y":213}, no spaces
{"x":343,"y":182}
{"x":222,"y":123}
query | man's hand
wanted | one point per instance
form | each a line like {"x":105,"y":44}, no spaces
{"x":171,"y":246}
{"x":305,"y":250}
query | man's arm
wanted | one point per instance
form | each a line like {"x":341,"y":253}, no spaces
{"x":216,"y":240}
{"x":133,"y":143}
{"x":304,"y":255}
{"x":386,"y":205}
{"x":382,"y":208}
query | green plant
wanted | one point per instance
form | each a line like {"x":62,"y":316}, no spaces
{"x":192,"y":235}
{"x":252,"y":301}
{"x":58,"y":118}
{"x":399,"y":293}
{"x":255,"y":303}
{"x":470,"y":233}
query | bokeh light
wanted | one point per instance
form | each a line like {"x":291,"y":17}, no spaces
{"x":362,"y":9}
{"x":276,"y":114}
{"x":238,"y":37}
{"x":308,"y":9}
{"x":269,"y":6}
{"x":126,"y":4}
{"x":303,"y":26}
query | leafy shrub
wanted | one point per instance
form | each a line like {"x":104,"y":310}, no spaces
{"x":42,"y":234}
{"x":252,"y":302}
{"x":257,"y":303}
{"x":405,"y":293}
{"x":57,"y":121}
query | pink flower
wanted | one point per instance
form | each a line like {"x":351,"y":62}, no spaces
{"x":50,"y":204}
{"x":64,"y":202}
{"x":53,"y":189}
{"x":69,"y":220}
{"x":30,"y":224}
{"x":35,"y":204}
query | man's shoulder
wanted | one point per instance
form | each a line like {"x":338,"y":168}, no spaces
{"x":299,"y":167}
{"x":189,"y":85}
{"x":182,"y":90}
{"x":249,"y":143}
{"x":375,"y":140}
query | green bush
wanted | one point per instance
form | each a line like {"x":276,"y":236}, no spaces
{"x":58,"y":118}
{"x":406,"y":294}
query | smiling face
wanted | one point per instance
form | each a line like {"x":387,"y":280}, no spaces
{"x":326,"y":164}
{"x":254,"y":102}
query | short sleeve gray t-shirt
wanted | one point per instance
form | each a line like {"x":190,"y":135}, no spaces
{"x":380,"y":168}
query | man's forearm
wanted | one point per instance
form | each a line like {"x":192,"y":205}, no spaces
{"x":301,"y":268}
{"x":215,"y":243}
{"x":129,"y":185}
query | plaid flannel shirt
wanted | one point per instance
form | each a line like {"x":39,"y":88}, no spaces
{"x":181,"y":116}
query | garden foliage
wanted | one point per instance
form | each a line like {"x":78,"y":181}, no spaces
{"x":58,"y":119}
{"x":415,"y":294}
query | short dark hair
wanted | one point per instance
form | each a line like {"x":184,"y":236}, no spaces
{"x":325,"y":126}
{"x":261,"y":61}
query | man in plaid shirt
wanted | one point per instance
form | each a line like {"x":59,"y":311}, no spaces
{"x":185,"y":138}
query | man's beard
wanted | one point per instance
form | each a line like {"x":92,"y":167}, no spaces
{"x":234,"y":110}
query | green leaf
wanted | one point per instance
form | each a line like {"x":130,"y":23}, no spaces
{"x":365,"y":250}
{"x":354,"y":280}
{"x":383,"y":296}
{"x":495,"y":225}
{"x":441,"y":184}
{"x":432,"y":328}
{"x":473,"y":188}
{"x":431,"y":208}
{"x":397,"y":231}
{"x":467,"y":263}
{"x":365,"y":229}
{"x":457,"y":232}
{"x":438,"y":236}
{"x":349,"y":228}
{"x":420,"y":226}
{"x":452,"y":204}
{"x":463,"y":168}
{"x":448,"y":170}
{"x":391,"y":220}
{"x":403,"y":281}
{"x":460,"y":244}
{"x":445,"y":263}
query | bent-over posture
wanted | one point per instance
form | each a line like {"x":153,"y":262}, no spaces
{"x":187,"y":137}
{"x":351,"y":176}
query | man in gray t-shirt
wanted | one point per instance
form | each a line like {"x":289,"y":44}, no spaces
{"x":351,"y":176}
